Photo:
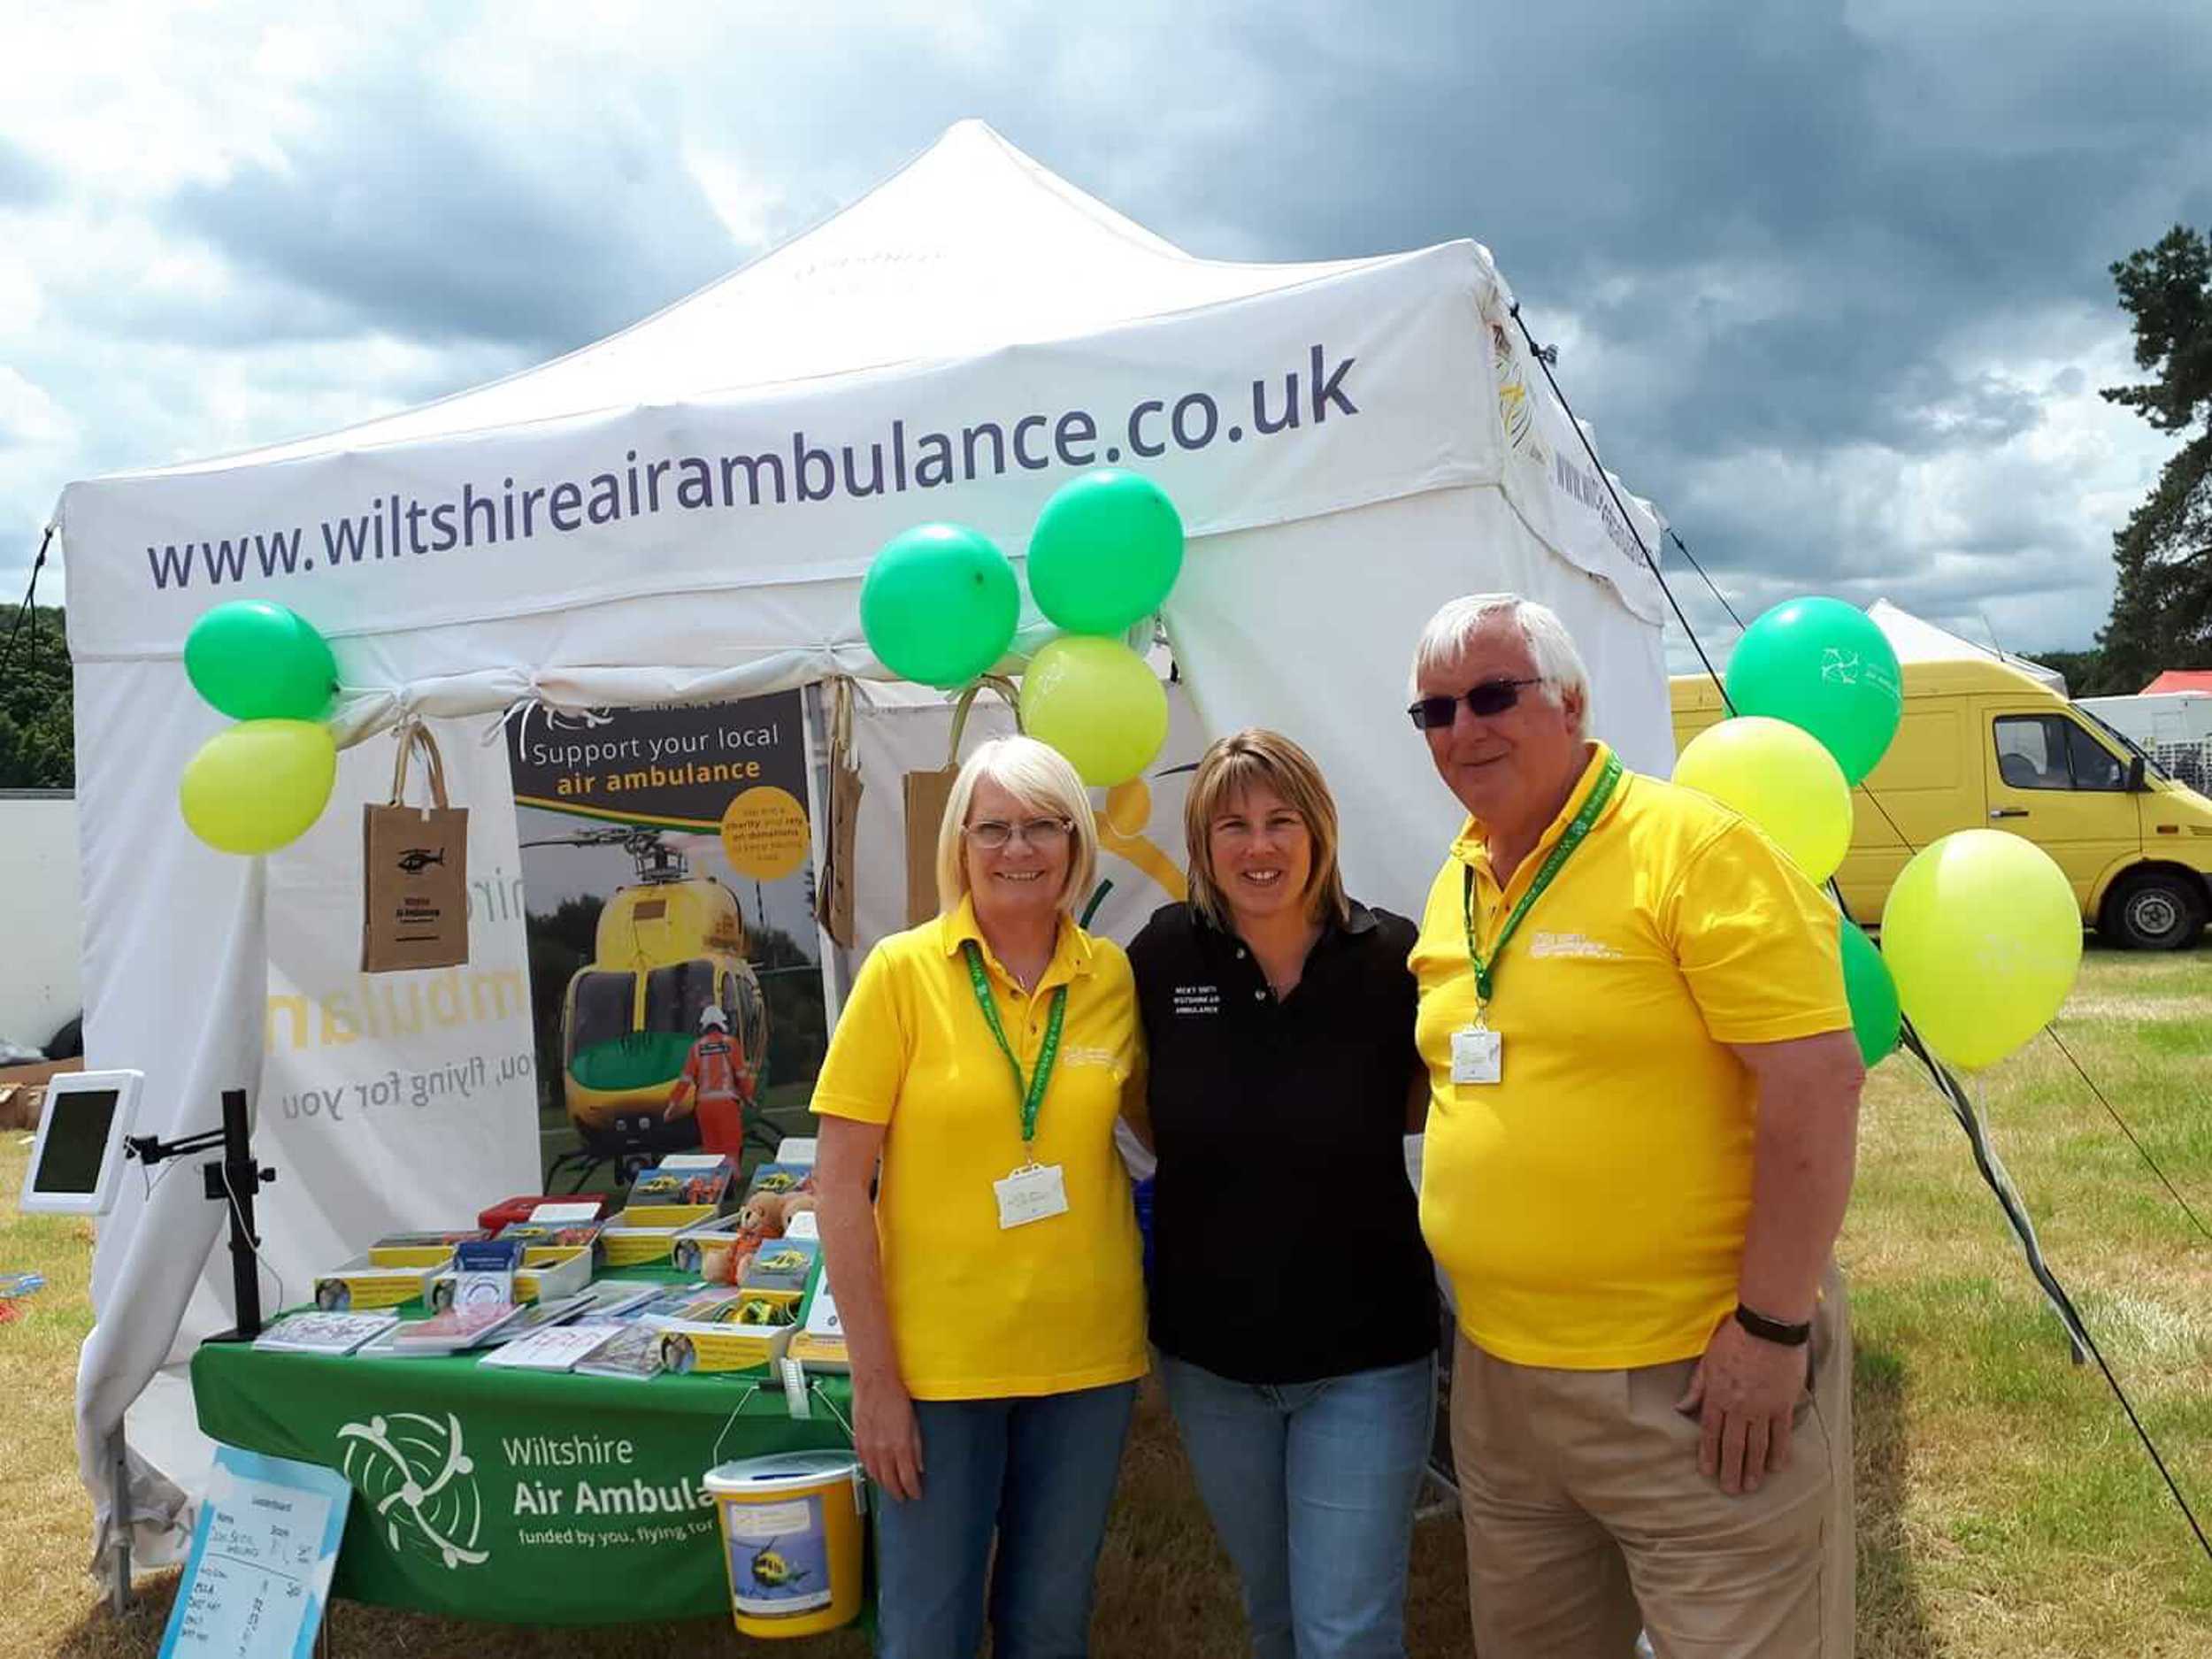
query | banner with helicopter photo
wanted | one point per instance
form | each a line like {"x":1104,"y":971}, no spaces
{"x":675,"y":966}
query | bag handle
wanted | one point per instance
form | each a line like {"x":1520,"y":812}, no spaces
{"x":414,"y":734}
{"x":1006,"y":694}
{"x":839,"y":724}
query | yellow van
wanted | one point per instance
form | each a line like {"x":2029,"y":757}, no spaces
{"x":1983,"y":746}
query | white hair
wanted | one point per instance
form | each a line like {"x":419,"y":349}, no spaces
{"x":1038,"y":776}
{"x":1550,"y":646}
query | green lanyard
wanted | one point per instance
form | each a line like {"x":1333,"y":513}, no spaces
{"x":1030,"y":1091}
{"x":1486,"y":967}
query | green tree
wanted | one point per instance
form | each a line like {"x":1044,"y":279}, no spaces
{"x":2088,"y":674}
{"x":2161,"y":608}
{"x":37,"y":734}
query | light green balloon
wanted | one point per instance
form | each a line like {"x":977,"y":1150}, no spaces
{"x":258,"y":786}
{"x":1095,"y":702}
{"x":1982,"y":932}
{"x":1780,"y":777}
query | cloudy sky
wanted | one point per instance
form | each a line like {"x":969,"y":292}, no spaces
{"x":1829,"y":279}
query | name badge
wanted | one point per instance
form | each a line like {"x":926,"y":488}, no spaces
{"x":1030,"y":1195}
{"x":1477,"y":1055}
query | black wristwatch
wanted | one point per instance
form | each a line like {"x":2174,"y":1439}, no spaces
{"x":1773,"y":1330}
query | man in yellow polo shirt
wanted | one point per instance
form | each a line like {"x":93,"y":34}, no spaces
{"x":1643,"y":1113}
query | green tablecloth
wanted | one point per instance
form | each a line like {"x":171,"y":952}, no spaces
{"x":522,"y":1497}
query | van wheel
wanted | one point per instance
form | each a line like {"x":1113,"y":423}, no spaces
{"x":2158,"y":910}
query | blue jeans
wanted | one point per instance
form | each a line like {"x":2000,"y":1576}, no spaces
{"x":1311,"y":1487}
{"x":1040,"y":1473}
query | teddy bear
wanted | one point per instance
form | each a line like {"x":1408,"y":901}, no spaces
{"x":764,"y":1213}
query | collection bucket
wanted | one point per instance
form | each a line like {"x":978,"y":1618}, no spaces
{"x":791,"y":1538}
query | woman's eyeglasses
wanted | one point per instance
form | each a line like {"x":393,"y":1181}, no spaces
{"x":1044,"y":833}
{"x":1491,"y":697}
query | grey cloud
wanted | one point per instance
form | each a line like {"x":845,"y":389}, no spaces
{"x":1897,"y":180}
{"x":1794,"y":234}
{"x":419,"y":222}
{"x":258,"y":309}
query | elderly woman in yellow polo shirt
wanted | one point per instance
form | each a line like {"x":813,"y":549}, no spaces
{"x":992,"y":1292}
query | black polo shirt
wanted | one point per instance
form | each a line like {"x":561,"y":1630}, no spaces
{"x":1286,"y":1239}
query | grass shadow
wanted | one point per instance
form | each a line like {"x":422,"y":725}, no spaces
{"x":1892,"y":1619}
{"x":98,"y":1634}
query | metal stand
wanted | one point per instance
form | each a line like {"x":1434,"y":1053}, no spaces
{"x":232,"y":1183}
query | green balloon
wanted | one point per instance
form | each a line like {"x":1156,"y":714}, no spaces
{"x":1822,"y":665}
{"x":258,"y":661}
{"x":1107,"y":549}
{"x":939,"y":604}
{"x":1873,"y":995}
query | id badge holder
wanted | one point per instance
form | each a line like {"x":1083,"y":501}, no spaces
{"x":1478,"y":1055}
{"x":1031,"y":1193}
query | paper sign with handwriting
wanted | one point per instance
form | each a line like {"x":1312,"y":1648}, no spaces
{"x":262,"y":1555}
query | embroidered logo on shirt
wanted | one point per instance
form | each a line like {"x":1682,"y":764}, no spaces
{"x":1572,"y":945}
{"x":1072,"y":1054}
{"x":1197,"y":999}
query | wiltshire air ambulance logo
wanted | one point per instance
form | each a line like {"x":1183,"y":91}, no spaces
{"x":1516,"y":407}
{"x":421,"y":1482}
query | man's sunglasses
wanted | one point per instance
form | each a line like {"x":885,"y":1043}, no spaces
{"x":1491,"y":697}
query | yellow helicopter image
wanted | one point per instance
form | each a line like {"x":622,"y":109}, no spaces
{"x":667,"y":948}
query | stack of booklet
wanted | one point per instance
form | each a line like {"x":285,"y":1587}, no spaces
{"x":315,"y":1331}
{"x":578,"y":1327}
{"x":634,"y":1350}
{"x":685,"y":1177}
{"x":555,"y":1346}
{"x":456,"y":1329}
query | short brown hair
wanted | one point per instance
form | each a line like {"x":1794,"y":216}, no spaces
{"x":1231,"y":767}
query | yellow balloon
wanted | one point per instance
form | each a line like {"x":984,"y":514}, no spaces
{"x":258,"y":786}
{"x":1094,"y":701}
{"x":1983,"y":934}
{"x":1781,"y":777}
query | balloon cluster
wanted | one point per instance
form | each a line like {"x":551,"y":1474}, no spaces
{"x":1981,"y":936}
{"x":260,"y":784}
{"x":941,"y":603}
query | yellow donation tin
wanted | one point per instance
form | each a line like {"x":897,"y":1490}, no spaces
{"x":791,"y":1538}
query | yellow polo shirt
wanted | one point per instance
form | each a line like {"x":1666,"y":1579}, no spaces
{"x":1590,"y":1208}
{"x":978,"y":1311}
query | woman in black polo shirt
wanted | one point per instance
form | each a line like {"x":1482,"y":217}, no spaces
{"x":1293,"y":1301}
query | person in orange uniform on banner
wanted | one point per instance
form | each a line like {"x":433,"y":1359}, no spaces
{"x":992,"y":1292}
{"x":717,"y":1083}
{"x":1643,"y":1113}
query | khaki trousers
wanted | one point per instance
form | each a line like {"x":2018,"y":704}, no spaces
{"x":1587,"y":1517}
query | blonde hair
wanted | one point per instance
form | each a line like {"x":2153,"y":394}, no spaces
{"x":1229,"y":769}
{"x":1042,"y":779}
{"x":1550,"y":646}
